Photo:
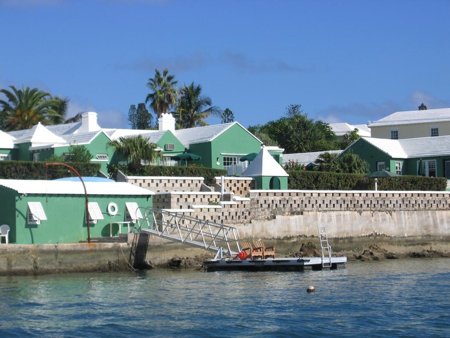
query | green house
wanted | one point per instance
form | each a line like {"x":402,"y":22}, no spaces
{"x":40,"y":211}
{"x":427,"y":156}
{"x":6,"y":146}
{"x":267,"y":172}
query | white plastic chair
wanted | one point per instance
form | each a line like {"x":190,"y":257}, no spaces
{"x":4,"y":232}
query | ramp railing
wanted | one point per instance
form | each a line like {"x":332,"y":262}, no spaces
{"x":178,"y":226}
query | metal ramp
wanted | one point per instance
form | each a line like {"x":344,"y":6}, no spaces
{"x":325,"y":247}
{"x":176,"y":225}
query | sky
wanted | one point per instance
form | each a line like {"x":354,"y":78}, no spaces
{"x":349,"y":61}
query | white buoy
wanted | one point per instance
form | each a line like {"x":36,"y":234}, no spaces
{"x":310,"y":289}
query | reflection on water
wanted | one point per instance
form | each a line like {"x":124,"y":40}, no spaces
{"x":385,"y":299}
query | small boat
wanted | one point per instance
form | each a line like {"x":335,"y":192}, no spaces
{"x":274,"y":264}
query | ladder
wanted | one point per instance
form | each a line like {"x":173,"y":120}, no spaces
{"x":176,"y":225}
{"x":325,"y":247}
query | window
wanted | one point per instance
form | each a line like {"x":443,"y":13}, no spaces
{"x":430,"y":168}
{"x":381,"y":166}
{"x":394,"y":134}
{"x":35,"y":213}
{"x":398,"y":167}
{"x":4,"y":157}
{"x":229,"y":161}
{"x":133,"y":212}
{"x":94,"y":212}
{"x":169,"y":146}
{"x":36,"y":157}
{"x":101,"y":157}
{"x":434,"y":131}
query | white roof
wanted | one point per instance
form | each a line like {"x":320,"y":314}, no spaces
{"x":39,"y":134}
{"x":413,"y":147}
{"x":6,"y":141}
{"x":307,"y":158}
{"x":264,"y":165}
{"x":342,"y":128}
{"x":82,"y":138}
{"x":73,"y":188}
{"x":204,"y":134}
{"x":413,"y":117}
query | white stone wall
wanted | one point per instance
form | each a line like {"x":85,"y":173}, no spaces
{"x":239,"y":186}
{"x":166,"y":183}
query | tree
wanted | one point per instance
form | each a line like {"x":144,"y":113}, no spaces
{"x":296,"y":133}
{"x":139,"y":117}
{"x":164,"y":93}
{"x":349,"y":138}
{"x":135,"y":150}
{"x":193,"y":108}
{"x":23,"y":108}
{"x":227,"y":116}
{"x":326,"y":162}
{"x":78,"y":153}
{"x":351,"y":163}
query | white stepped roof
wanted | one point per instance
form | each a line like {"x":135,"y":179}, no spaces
{"x":6,"y":141}
{"x":413,"y":116}
{"x":83,"y":138}
{"x":342,"y":128}
{"x":264,"y":165}
{"x":307,"y":158}
{"x":413,"y":147}
{"x":73,"y":188}
{"x":39,"y":134}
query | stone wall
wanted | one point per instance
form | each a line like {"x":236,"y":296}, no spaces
{"x":239,"y":186}
{"x":165,"y":184}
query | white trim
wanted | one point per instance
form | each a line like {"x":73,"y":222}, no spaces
{"x":95,"y":213}
{"x":35,"y":213}
{"x":133,"y":211}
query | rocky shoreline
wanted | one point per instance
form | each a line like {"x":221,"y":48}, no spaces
{"x":364,"y":249}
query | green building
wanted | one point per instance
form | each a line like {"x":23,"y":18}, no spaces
{"x":42,"y":212}
{"x":427,"y":156}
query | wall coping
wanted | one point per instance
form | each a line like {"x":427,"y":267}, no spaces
{"x":407,"y":192}
{"x":212,"y":193}
{"x":234,"y":178}
{"x":166,"y":178}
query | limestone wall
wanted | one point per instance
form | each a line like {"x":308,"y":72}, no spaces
{"x":239,"y":186}
{"x":165,"y":184}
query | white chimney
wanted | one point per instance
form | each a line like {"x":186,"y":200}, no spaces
{"x":88,"y":122}
{"x":166,"y":122}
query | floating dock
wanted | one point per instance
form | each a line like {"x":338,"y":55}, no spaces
{"x":276,"y":264}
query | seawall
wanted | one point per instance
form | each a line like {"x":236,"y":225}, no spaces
{"x":16,"y":259}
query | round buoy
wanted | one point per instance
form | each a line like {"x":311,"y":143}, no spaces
{"x":310,"y":289}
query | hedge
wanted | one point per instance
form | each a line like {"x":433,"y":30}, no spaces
{"x":320,"y":180}
{"x":189,"y":171}
{"x":28,"y":170}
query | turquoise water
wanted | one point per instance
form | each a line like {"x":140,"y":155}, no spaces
{"x":399,"y":298}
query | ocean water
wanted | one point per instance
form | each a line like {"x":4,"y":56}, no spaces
{"x":395,"y":298}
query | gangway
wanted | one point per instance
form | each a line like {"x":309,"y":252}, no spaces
{"x":325,"y":247}
{"x":176,"y":225}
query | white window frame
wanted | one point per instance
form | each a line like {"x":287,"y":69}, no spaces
{"x":133,"y":211}
{"x":434,"y":131}
{"x":399,"y":167}
{"x":35,"y":213}
{"x":230,"y":160}
{"x":169,"y":146}
{"x":394,"y":132}
{"x":4,"y":157}
{"x":95,"y":213}
{"x":102,"y":157}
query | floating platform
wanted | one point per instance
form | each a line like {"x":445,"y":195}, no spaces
{"x":276,"y":264}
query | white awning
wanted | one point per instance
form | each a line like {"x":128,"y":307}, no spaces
{"x":95,"y":212}
{"x":133,"y":210}
{"x":36,"y":211}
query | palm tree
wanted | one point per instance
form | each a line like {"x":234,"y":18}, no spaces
{"x":326,"y":161}
{"x":135,"y":149}
{"x":164,"y":93}
{"x":23,"y":108}
{"x":193,"y":108}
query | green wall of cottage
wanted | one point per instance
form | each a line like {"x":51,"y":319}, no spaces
{"x":271,"y":183}
{"x":235,"y":140}
{"x":22,"y":152}
{"x":65,"y":217}
{"x":370,"y":154}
